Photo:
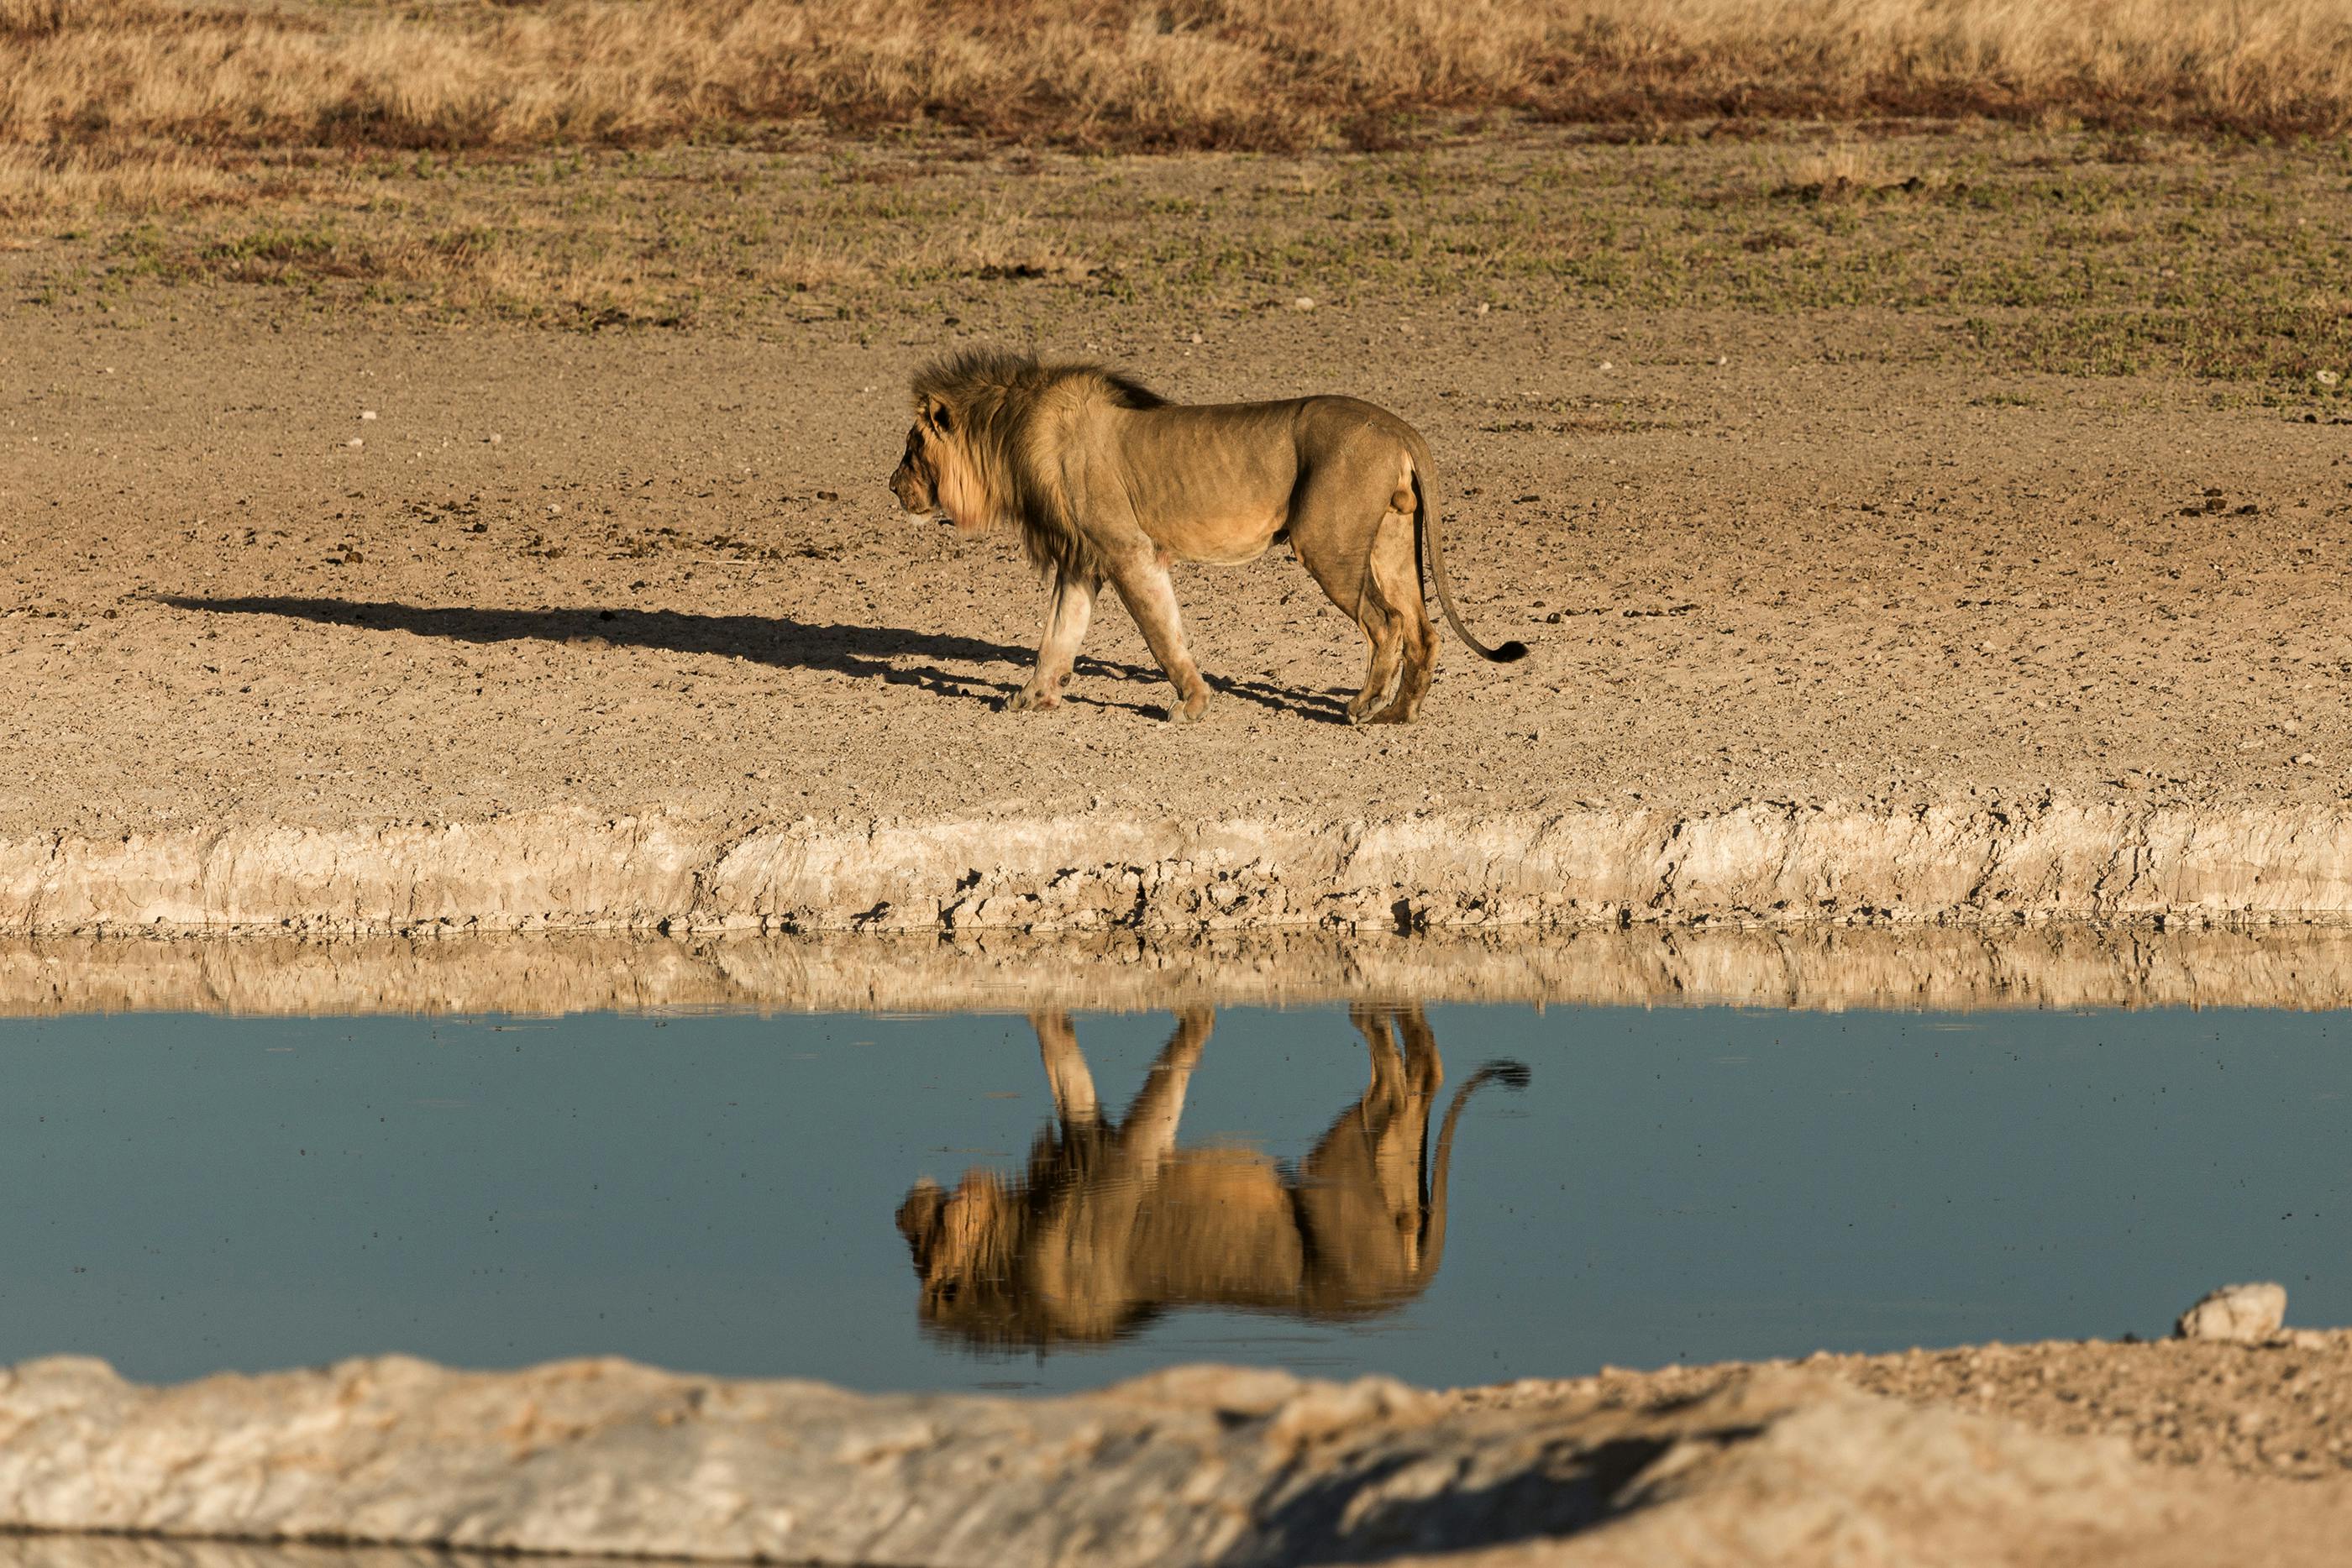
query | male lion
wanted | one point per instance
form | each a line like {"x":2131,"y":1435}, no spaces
{"x":1116,"y":1223}
{"x":1107,"y":479}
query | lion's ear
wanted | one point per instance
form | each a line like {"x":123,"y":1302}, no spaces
{"x":936,"y":413}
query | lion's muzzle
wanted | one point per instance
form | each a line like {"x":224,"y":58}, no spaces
{"x":912,"y":488}
{"x":912,"y":481}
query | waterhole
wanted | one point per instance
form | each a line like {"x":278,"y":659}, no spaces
{"x":1448,"y":1193}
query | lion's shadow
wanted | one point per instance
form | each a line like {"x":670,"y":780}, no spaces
{"x":871,"y":653}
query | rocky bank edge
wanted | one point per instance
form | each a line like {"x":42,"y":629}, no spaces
{"x":566,"y":869}
{"x":2057,"y":964}
{"x":1196,"y":1465}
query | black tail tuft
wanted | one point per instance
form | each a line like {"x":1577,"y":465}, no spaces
{"x":1504,"y":1070}
{"x":1508,"y":653}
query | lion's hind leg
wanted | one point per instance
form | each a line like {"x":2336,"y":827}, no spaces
{"x":1348,"y":531}
{"x":1388,"y":651}
{"x":1395,"y":583}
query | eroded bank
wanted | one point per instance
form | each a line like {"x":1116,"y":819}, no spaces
{"x":1765,"y":861}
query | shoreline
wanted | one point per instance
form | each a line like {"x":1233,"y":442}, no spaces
{"x":1762,"y":863}
{"x":1753,"y":864}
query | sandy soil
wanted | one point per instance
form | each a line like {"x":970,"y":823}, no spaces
{"x":1756,"y":558}
{"x":2273,"y":1410}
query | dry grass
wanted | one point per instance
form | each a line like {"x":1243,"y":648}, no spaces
{"x":1135,"y":74}
{"x":63,"y":178}
{"x":2010,"y":250}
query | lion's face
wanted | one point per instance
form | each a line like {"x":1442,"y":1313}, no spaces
{"x":915,"y":482}
{"x":957,"y":1238}
{"x":933,"y":475}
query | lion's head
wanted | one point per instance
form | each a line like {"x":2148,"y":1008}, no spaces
{"x":938,"y":473}
{"x":964,"y":1245}
{"x":979,"y":455}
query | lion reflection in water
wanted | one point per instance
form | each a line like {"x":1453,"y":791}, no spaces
{"x":1114,"y":1223}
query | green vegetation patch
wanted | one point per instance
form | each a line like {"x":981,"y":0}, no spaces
{"x":2021,"y":250}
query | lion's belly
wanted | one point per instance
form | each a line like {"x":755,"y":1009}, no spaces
{"x":1225,"y":539}
{"x":1208,"y":484}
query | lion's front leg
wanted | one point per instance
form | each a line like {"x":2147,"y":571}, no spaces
{"x":1142,"y":581}
{"x":1065,"y":1069}
{"x":1147,"y":1133}
{"x":1065,"y":627}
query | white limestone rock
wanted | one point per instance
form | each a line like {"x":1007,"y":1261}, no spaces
{"x":2242,"y":1314}
{"x":1198,"y":1465}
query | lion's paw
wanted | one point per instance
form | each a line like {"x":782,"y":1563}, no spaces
{"x":1033,"y":699}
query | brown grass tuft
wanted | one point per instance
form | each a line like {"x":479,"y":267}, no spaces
{"x":123,"y":178}
{"x":1139,"y":74}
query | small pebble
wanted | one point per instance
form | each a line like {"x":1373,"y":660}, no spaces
{"x":1196,"y":337}
{"x":1302,"y":303}
{"x":355,"y":441}
{"x":2325,"y":378}
{"x":496,"y":440}
{"x":1607,"y":366}
{"x":367,"y":414}
{"x":1483,"y":309}
{"x":2305,"y":760}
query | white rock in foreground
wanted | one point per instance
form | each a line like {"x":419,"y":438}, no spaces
{"x":1193,"y":1466}
{"x":2243,"y":1314}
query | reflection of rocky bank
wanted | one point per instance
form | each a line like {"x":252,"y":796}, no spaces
{"x":1954,"y":967}
{"x":1197,"y":1465}
{"x":1762,"y":861}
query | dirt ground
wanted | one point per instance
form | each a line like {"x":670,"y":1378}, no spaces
{"x":258,"y":565}
{"x":2272,"y":1410}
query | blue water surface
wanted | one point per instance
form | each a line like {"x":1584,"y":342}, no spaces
{"x":715,"y":1192}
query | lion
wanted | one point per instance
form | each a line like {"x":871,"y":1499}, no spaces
{"x":1114,"y":1224}
{"x":1108,"y":481}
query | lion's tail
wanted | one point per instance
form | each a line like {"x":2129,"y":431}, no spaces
{"x":1511,"y":1075}
{"x":1426,"y":542}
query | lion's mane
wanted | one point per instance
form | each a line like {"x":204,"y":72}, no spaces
{"x":1012,"y":417}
